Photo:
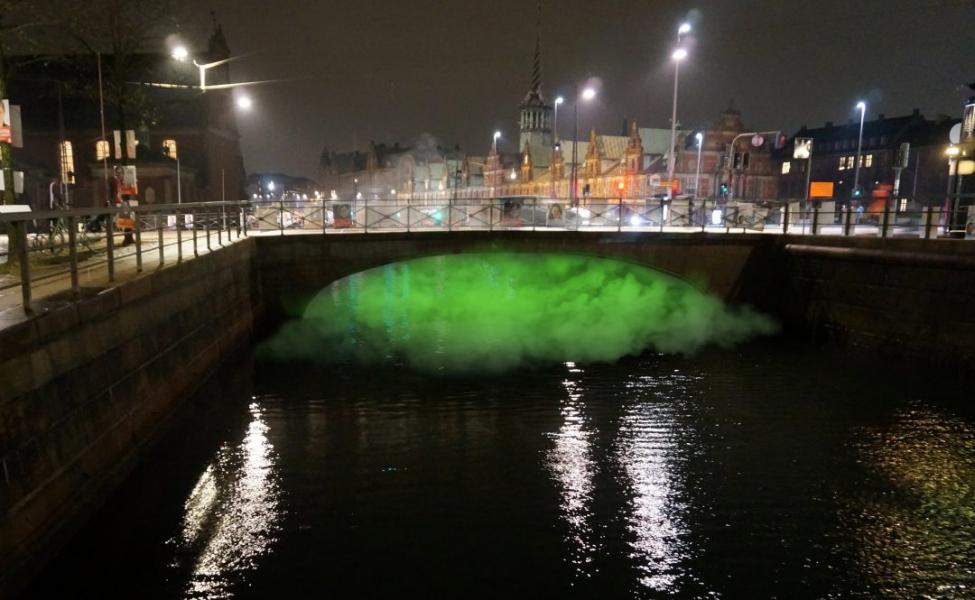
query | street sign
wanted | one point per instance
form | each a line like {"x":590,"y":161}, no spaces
{"x":802,"y":149}
{"x":954,"y":136}
{"x":820,"y":189}
{"x":903,"y":156}
{"x":5,"y":131}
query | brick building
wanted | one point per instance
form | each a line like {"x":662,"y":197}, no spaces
{"x":59,"y":101}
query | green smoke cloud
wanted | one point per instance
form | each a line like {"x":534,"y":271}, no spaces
{"x":494,"y":312}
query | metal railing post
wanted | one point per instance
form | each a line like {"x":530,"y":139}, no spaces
{"x":324,"y":216}
{"x":73,"y":253}
{"x":22,"y":253}
{"x":281,"y":216}
{"x":220,"y":225}
{"x":883,"y":230}
{"x":929,"y":214}
{"x":159,"y":235}
{"x":704,"y":215}
{"x":661,"y":215}
{"x":450,"y":215}
{"x":491,"y":214}
{"x":847,"y":216}
{"x":206,"y":226}
{"x":179,"y":237}
{"x":243,"y":218}
{"x":110,"y":244}
{"x":196,"y":251}
{"x":138,"y":241}
{"x":409,"y":206}
{"x":785,"y":219}
{"x":365,"y":212}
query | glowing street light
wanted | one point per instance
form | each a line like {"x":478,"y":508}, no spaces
{"x":180,"y":53}
{"x":586,"y":95}
{"x":244,"y":102}
{"x":678,"y":56}
{"x":555,"y":124}
{"x":862,"y":107}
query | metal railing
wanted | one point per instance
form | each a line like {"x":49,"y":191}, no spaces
{"x":47,"y":245}
{"x":94,"y":242}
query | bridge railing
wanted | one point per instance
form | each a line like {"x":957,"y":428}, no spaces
{"x":49,"y":252}
{"x":682,"y":215}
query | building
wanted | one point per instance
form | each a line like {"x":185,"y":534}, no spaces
{"x":920,"y":142}
{"x":185,"y":145}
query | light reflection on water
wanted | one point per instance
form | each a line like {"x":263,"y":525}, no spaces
{"x":232,"y":515}
{"x":573,"y":467}
{"x":916,"y":526}
{"x":648,"y":449}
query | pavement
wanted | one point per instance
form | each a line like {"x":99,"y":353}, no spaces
{"x":51,"y":277}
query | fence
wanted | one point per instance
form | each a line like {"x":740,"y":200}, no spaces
{"x":44,"y":247}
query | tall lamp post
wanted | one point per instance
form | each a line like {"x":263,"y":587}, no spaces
{"x":856,"y":173}
{"x":555,"y":122}
{"x":587,"y":95}
{"x":678,"y":55}
{"x":699,"y":136}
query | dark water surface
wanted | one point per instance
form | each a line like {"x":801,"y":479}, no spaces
{"x":768,"y":471}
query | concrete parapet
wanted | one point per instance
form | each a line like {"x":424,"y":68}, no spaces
{"x":84,"y":387}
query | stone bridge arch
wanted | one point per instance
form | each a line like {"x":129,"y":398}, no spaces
{"x":294,"y":267}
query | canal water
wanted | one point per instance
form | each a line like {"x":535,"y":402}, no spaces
{"x":763,"y":470}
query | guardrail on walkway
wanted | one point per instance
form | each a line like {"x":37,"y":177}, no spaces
{"x":63,"y":245}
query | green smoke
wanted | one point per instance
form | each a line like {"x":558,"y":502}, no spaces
{"x":493,"y":312}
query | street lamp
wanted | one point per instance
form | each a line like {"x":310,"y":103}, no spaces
{"x":699,"y":136}
{"x":678,"y":55}
{"x":497,"y":136}
{"x":180,"y":53}
{"x":587,"y":95}
{"x":244,"y":103}
{"x":953,"y":152}
{"x":856,"y":173}
{"x":555,"y":124}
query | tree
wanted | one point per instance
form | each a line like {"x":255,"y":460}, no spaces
{"x":123,"y":32}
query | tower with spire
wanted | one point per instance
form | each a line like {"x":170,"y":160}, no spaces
{"x":535,"y":122}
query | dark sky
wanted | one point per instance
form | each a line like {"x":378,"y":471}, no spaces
{"x":392,"y":69}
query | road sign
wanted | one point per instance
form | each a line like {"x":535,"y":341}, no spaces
{"x":802,"y":149}
{"x":903,"y":156}
{"x":820,"y":189}
{"x":954,"y":136}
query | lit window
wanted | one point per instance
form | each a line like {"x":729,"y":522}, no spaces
{"x":903,"y":205}
{"x":102,"y":150}
{"x":842,"y":163}
{"x":868,"y":160}
{"x":786,"y":167}
{"x":67,"y":162}
{"x":169,"y":148}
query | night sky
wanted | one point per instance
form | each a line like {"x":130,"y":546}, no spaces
{"x":389,"y":70}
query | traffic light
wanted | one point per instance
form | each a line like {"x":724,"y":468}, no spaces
{"x":858,"y":192}
{"x":724,"y":189}
{"x":779,"y":140}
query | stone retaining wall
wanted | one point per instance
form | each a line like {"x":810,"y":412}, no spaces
{"x":83,"y":389}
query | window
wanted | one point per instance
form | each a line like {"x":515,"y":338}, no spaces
{"x":102,"y":150}
{"x":867,"y":160}
{"x":67,"y":162}
{"x":169,"y":148}
{"x":786,"y":167}
{"x":903,"y":205}
{"x":842,"y":166}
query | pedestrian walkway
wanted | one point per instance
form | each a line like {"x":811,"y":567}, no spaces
{"x":51,"y":282}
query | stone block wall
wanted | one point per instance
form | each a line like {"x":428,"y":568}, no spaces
{"x":83,"y":389}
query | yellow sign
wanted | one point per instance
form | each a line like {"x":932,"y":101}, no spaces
{"x":820,"y":189}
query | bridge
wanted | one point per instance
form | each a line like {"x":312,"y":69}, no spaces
{"x":100,"y":340}
{"x":58,"y":259}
